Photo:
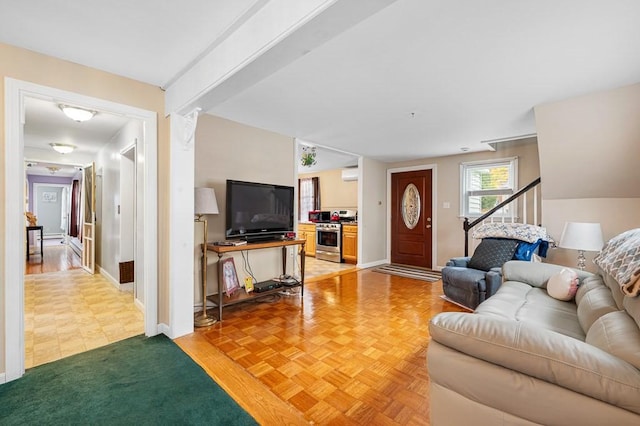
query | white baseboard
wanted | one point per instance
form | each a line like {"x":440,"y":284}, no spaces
{"x":164,"y":329}
{"x":115,"y":282}
{"x":109,"y":278}
{"x":372,"y":264}
{"x":139,"y":305}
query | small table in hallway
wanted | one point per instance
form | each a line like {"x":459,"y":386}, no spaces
{"x":35,"y":228}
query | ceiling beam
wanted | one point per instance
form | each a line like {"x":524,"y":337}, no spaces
{"x":277,"y":34}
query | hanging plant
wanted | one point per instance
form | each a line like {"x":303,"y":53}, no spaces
{"x":308,"y":158}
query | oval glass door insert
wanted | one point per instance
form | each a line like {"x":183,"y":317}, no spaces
{"x":411,"y":206}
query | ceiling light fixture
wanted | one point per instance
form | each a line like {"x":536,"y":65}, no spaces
{"x":53,"y":169}
{"x":62,"y":148}
{"x":76,"y":113}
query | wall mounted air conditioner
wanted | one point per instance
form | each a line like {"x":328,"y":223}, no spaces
{"x":350,"y":174}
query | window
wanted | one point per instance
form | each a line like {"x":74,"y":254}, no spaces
{"x":308,"y":196}
{"x":485,"y":184}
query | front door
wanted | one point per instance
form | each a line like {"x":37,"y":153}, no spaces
{"x":411,"y":225}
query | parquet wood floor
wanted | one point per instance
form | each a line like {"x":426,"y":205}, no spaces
{"x":353,"y":352}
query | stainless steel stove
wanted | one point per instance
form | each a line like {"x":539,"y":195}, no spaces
{"x":329,"y":242}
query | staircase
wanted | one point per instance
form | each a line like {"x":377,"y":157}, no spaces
{"x":519,"y":202}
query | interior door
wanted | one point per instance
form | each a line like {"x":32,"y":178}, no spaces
{"x":89,"y":218}
{"x":411,"y":224}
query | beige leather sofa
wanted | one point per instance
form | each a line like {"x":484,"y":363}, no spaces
{"x":526,"y":358}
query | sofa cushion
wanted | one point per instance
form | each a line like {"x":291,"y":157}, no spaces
{"x":519,"y":302}
{"x":594,"y":304}
{"x":492,"y":253}
{"x":617,"y":334}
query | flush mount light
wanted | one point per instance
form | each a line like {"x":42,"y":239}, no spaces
{"x":62,"y":148}
{"x":76,"y":113}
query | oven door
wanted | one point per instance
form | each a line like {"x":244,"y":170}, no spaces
{"x":328,"y":244}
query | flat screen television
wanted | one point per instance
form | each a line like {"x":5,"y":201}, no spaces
{"x":258,"y":211}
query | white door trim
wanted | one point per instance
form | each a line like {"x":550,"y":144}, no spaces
{"x":14,"y":238}
{"x":434,"y":207}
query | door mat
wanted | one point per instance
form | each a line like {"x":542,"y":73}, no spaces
{"x":409,"y":272}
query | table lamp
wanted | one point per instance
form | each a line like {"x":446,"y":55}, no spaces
{"x":582,"y":237}
{"x":205,"y":203}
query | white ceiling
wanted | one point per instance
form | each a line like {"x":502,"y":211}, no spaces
{"x":420,"y":78}
{"x":45,"y":123}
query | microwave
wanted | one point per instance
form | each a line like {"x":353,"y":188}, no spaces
{"x":319,"y":216}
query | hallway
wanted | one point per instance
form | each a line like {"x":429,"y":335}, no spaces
{"x":68,"y":311}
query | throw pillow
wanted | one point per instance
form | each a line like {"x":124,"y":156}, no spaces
{"x":563,"y":285}
{"x":492,"y":253}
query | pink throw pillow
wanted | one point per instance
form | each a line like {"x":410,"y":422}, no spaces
{"x":563,"y":285}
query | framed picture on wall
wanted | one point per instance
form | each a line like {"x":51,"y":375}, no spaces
{"x":50,"y":197}
{"x":229,"y":276}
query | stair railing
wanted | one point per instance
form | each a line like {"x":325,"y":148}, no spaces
{"x":467,"y":226}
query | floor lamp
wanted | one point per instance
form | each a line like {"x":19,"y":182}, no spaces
{"x":205,"y":203}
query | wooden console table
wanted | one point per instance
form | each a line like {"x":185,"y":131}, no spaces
{"x":240,"y":295}
{"x":35,"y":228}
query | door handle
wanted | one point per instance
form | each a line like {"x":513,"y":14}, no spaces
{"x":428,"y":226}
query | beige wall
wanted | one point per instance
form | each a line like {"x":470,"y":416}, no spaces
{"x":228,"y":150}
{"x":334,"y":192}
{"x":372,"y":216}
{"x":590,"y":145}
{"x":615,"y":215}
{"x":449,"y":234}
{"x":589,"y":150}
{"x":28,"y":66}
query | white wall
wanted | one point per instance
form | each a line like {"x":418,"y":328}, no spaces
{"x":228,"y":150}
{"x":127,"y":204}
{"x":108,"y":198}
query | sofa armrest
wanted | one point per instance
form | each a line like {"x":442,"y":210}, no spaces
{"x":535,"y":274}
{"x":493,"y":279}
{"x":540,"y":353}
{"x":461,"y":262}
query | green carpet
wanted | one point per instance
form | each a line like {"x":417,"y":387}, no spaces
{"x":139,"y":381}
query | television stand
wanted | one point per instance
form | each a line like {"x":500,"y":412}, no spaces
{"x":221,"y":300}
{"x":263,"y":238}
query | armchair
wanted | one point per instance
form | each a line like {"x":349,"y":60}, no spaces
{"x":469,"y":281}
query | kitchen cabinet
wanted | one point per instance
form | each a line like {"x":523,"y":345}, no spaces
{"x":307,"y":231}
{"x":350,"y":243}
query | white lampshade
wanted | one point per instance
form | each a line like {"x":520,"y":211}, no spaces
{"x":582,"y":236}
{"x":206,"y":202}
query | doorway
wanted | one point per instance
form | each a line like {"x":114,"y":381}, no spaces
{"x":146,"y":185}
{"x":51,"y":206}
{"x":411,"y":217}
